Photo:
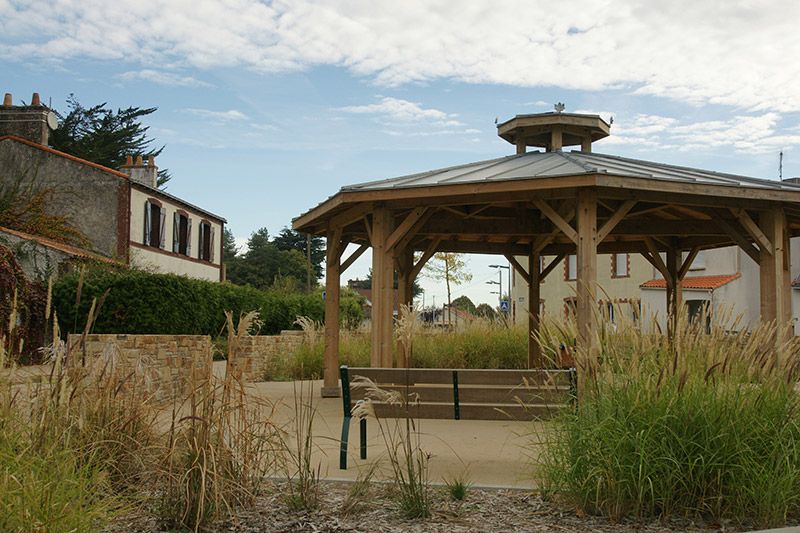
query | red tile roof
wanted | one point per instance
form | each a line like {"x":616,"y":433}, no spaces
{"x":61,"y":247}
{"x":694,"y":282}
{"x":63,"y":154}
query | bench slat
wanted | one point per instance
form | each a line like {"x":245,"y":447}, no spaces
{"x":465,"y":376}
{"x":471,"y":411}
{"x":476,"y":394}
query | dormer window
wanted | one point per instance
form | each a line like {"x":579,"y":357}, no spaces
{"x":154,"y":224}
{"x":206,"y":241}
{"x":182,"y":233}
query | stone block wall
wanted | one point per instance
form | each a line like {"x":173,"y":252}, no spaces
{"x":256,"y":353}
{"x":170,"y":363}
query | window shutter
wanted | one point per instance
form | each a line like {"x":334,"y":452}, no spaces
{"x":211,"y":245}
{"x":147,"y":225}
{"x":188,"y":237}
{"x":163,"y":240}
{"x":200,"y":241}
{"x":176,"y":231}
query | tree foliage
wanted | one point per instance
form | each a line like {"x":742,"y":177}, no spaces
{"x":366,"y":283}
{"x":289,"y":239}
{"x":104,"y":136}
{"x":465,"y":304}
{"x":264,"y":265}
{"x":485,"y":310}
{"x":450,"y":268}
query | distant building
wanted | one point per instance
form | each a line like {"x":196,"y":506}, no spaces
{"x":122,"y":213}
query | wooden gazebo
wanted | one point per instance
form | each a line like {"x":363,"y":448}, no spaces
{"x":550,"y":203}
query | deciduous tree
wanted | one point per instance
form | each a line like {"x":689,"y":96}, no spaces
{"x":450,"y":268}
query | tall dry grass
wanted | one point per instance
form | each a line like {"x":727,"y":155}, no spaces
{"x":221,"y":445}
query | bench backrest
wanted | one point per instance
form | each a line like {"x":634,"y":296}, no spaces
{"x":464,"y":393}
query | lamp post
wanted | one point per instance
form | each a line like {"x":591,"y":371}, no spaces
{"x":499,"y":291}
{"x":500,"y":277}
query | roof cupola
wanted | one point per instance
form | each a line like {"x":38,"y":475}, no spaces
{"x":554,"y":130}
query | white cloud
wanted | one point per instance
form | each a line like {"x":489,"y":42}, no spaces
{"x":161,"y":77}
{"x":733,"y":53}
{"x":399,"y":110}
{"x":749,"y":134}
{"x":222,"y":116}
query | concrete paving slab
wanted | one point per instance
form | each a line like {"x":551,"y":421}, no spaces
{"x":492,"y":453}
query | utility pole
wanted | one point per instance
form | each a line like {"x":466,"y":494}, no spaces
{"x":308,"y":263}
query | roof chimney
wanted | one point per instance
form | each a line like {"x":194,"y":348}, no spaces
{"x":552,"y":131}
{"x":144,"y":172}
{"x":32,"y":122}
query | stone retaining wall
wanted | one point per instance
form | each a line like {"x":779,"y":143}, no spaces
{"x":170,"y":363}
{"x":256,"y":353}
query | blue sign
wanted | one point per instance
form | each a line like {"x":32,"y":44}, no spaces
{"x":504,"y":306}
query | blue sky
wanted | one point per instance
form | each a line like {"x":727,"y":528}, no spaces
{"x":266,"y":109}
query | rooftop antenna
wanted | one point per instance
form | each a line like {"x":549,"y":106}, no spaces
{"x":780,"y":165}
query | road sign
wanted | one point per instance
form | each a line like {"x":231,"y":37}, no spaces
{"x":504,"y":306}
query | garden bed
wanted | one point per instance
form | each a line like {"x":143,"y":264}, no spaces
{"x":499,"y":510}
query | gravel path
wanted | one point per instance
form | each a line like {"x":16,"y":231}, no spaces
{"x":484,"y":510}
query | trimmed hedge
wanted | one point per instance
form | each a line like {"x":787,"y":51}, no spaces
{"x":140,"y":302}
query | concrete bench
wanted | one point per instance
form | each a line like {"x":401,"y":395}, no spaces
{"x":458,"y":394}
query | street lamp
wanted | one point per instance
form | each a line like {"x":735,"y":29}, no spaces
{"x":500,"y":277}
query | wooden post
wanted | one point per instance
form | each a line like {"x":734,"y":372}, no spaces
{"x":534,"y":306}
{"x":674,"y":291}
{"x":330,"y":386}
{"x":586,"y":144}
{"x":522,"y":147}
{"x":587,"y":285}
{"x":774,"y":273}
{"x":405,"y":260}
{"x":382,"y":289}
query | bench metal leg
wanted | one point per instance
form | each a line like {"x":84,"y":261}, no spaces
{"x":343,"y":443}
{"x":363,"y":431}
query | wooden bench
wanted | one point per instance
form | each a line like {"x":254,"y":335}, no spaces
{"x":458,"y":394}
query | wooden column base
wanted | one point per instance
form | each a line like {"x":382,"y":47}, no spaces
{"x":331,"y":392}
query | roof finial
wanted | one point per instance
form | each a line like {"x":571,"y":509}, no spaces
{"x":559,"y":107}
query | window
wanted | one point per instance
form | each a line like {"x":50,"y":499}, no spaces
{"x":571,"y":268}
{"x":620,"y":266}
{"x":206,"y":242}
{"x":182,"y":233}
{"x":154,"y":224}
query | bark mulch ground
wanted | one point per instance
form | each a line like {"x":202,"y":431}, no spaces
{"x":483,"y":510}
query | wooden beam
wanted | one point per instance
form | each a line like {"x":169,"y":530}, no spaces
{"x":775,"y":280}
{"x":655,"y":258}
{"x":567,"y":212}
{"x":353,"y":214}
{"x":518,"y":267}
{"x":615,"y":219}
{"x":368,"y":228}
{"x":587,"y":286}
{"x":753,"y":229}
{"x":739,"y":239}
{"x":687,"y":263}
{"x":534,"y":307}
{"x":414,"y":231}
{"x":330,"y":387}
{"x":405,"y":296}
{"x":405,"y":226}
{"x":355,"y":255}
{"x":426,"y":255}
{"x":551,"y":266}
{"x":556,"y":219}
{"x":674,"y":293}
{"x":382,"y":289}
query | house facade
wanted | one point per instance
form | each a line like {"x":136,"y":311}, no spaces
{"x":618,"y":277}
{"x":121,"y":213}
{"x":723,"y":282}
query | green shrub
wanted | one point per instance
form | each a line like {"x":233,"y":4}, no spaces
{"x":144,"y":303}
{"x":706,"y":426}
